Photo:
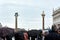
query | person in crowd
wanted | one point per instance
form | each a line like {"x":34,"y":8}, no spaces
{"x":25,"y":36}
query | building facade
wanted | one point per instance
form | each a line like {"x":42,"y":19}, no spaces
{"x":56,"y":17}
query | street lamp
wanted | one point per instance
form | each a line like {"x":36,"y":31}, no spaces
{"x":43,"y":15}
{"x":16,"y":16}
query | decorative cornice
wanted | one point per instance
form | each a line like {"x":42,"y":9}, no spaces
{"x":56,"y":12}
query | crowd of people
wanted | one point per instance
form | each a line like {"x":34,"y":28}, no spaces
{"x":52,"y":34}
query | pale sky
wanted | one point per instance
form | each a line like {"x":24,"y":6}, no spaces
{"x":29,"y":12}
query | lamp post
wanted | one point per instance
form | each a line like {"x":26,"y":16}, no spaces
{"x":16,"y":16}
{"x":43,"y":15}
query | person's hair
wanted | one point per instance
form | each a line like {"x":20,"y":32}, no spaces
{"x":54,"y":28}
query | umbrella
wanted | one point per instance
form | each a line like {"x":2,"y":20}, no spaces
{"x":19,"y":35}
{"x":4,"y":31}
{"x":52,"y":36}
{"x":33,"y":33}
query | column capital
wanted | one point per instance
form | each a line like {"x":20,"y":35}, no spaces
{"x":16,"y":14}
{"x":43,"y":13}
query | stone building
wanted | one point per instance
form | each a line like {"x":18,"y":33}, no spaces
{"x":56,"y":17}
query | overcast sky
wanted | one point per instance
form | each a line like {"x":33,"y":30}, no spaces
{"x":29,"y":12}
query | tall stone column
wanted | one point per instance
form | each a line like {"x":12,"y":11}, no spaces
{"x":43,"y":15}
{"x":16,"y":16}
